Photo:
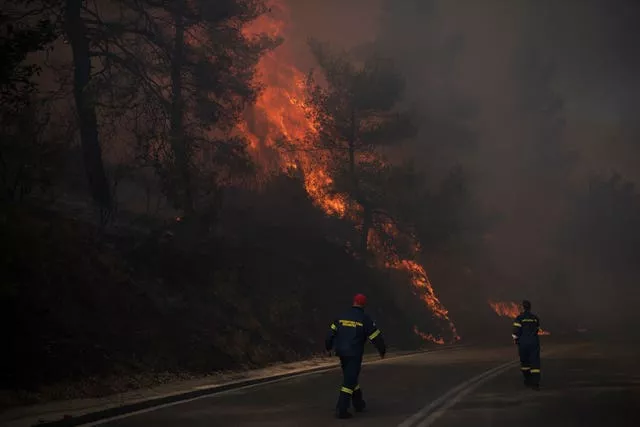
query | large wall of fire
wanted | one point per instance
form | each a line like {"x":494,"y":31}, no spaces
{"x":281,"y":138}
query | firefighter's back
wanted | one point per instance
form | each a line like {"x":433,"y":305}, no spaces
{"x":351,"y":332}
{"x":530,"y":327}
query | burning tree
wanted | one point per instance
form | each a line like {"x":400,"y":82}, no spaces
{"x":356,"y":113}
{"x":357,"y":116}
{"x":301,"y":126}
{"x":198,"y":69}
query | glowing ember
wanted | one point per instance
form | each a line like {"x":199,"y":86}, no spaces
{"x":505,"y":309}
{"x":278,"y":128}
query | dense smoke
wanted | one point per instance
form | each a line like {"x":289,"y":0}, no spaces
{"x":531,"y":99}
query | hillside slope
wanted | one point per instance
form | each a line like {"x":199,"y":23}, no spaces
{"x":83,"y":307}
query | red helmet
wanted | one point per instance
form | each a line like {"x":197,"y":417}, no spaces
{"x":360,"y":300}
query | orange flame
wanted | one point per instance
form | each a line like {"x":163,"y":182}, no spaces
{"x":279,"y":128}
{"x":427,"y":337}
{"x":282,"y":112}
{"x":419,"y":279}
{"x":511,"y":310}
{"x":505,"y":309}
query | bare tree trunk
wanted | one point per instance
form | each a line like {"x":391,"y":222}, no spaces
{"x":76,"y":32}
{"x":177,"y":136}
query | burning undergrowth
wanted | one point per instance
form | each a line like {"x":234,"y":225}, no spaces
{"x":282,"y":139}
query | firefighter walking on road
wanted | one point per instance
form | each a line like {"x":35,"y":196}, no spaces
{"x":525,"y":334}
{"x":347,"y":335}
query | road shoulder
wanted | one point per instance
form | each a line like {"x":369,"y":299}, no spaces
{"x":74,"y":412}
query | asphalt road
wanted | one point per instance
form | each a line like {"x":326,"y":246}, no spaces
{"x":584,"y":384}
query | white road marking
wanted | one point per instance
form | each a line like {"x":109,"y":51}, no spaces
{"x":431,"y":419}
{"x":426,"y":417}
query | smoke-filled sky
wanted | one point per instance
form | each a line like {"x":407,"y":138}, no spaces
{"x":458,"y":57}
{"x":594,"y":43}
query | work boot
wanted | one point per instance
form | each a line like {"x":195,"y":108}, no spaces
{"x":359,"y":406}
{"x":343,"y":405}
{"x":357,"y":401}
{"x":343,"y":415}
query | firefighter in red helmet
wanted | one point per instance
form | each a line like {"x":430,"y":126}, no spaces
{"x":347,"y":335}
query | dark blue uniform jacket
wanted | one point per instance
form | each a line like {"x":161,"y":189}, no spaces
{"x":349,"y":332}
{"x":525,"y":328}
